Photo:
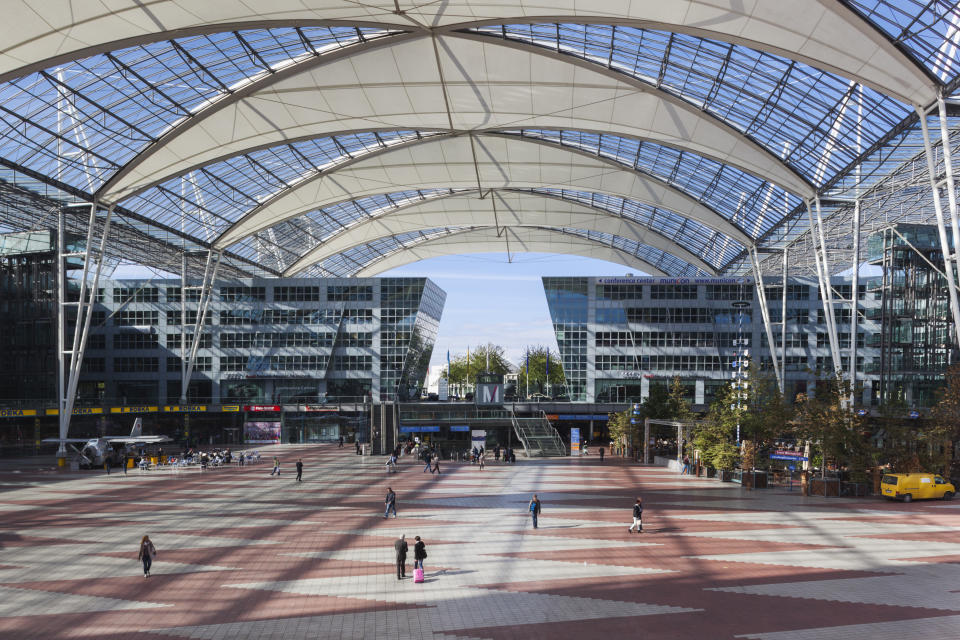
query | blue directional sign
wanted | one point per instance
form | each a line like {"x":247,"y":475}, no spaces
{"x":861,"y":412}
{"x":793,"y":458}
{"x":914,"y":414}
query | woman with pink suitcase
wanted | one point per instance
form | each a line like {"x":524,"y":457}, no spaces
{"x":419,"y":555}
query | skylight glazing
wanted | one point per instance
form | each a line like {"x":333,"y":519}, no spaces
{"x":218,"y":195}
{"x":82,"y":121}
{"x":715,"y":248}
{"x":751,"y":203}
{"x":929,"y":30}
{"x":798,"y":113}
{"x":659,"y":259}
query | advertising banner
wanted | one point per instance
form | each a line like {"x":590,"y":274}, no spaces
{"x":575,"y":441}
{"x":261,"y":432}
{"x":478,"y":439}
{"x":443,"y":390}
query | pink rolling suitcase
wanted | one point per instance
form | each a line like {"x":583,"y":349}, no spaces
{"x":418,"y":575}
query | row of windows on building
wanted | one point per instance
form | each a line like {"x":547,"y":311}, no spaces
{"x":707,"y":315}
{"x":332,"y":293}
{"x":151,"y":318}
{"x":714,"y":339}
{"x":147,"y":341}
{"x":234,"y":363}
{"x":719,"y":363}
{"x":717,"y":291}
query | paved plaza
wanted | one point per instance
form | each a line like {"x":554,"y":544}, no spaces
{"x":245,"y":555}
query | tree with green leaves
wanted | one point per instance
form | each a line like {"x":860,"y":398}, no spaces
{"x":943,"y":434}
{"x":677,"y":402}
{"x":624,"y":429}
{"x":539,"y":382}
{"x":759,"y":410}
{"x":462,"y":374}
{"x":832,"y":424}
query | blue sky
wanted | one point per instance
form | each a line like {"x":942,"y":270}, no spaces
{"x":490,"y":299}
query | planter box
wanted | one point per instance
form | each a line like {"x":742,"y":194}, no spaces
{"x":756,"y":480}
{"x":711,"y":472}
{"x":828,"y":488}
{"x":725,"y":475}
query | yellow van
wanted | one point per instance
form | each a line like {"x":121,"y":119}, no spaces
{"x":915,"y":486}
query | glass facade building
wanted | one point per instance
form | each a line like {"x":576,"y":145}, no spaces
{"x":264,"y":341}
{"x":618,"y":336}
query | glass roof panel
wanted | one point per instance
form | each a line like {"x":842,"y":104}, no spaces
{"x":81,"y":121}
{"x":929,"y":30}
{"x":715,"y":248}
{"x":215,"y":197}
{"x":751,"y":203}
{"x":798,"y":113}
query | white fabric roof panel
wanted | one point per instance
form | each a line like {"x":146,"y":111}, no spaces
{"x":488,"y":85}
{"x":497,"y":210}
{"x":276,"y":129}
{"x":825,"y":34}
{"x":502,"y":162}
{"x":510,"y":241}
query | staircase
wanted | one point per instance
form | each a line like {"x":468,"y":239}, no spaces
{"x":538,"y":436}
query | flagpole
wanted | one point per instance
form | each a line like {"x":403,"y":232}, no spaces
{"x":548,"y":370}
{"x":528,"y":373}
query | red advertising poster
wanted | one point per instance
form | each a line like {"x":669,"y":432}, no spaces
{"x":261,"y":432}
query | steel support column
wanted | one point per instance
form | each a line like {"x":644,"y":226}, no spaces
{"x":765,"y":314}
{"x":854,"y":302}
{"x":783,"y":324}
{"x":70,"y":361}
{"x":949,"y":257}
{"x":206,"y":292}
{"x":823,"y":276}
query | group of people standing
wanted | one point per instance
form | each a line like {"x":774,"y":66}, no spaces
{"x":419,"y":555}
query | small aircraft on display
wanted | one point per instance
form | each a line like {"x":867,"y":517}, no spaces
{"x":97,"y":451}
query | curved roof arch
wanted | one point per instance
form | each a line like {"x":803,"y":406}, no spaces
{"x":510,"y":241}
{"x":499,"y":210}
{"x":825,"y":34}
{"x":468,"y":162}
{"x":386,"y":84}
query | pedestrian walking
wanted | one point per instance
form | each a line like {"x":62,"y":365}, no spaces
{"x":299,"y":470}
{"x":276,"y":466}
{"x":357,"y":444}
{"x":426,"y":459}
{"x":534,"y":509}
{"x":340,"y":441}
{"x":686,"y":465}
{"x":637,"y":517}
{"x":147,"y":553}
{"x":419,"y":553}
{"x":601,"y":454}
{"x":496,"y":453}
{"x":400,"y":546}
{"x":436,"y":465}
{"x":241,"y":458}
{"x":125,"y":463}
{"x":482,"y":459}
{"x":391,"y":502}
{"x":106,"y":465}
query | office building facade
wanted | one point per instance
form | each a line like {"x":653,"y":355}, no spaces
{"x":618,"y":336}
{"x":264,"y":341}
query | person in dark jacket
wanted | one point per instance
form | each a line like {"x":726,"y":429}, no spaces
{"x":637,"y":517}
{"x":534,"y":509}
{"x":419,"y":553}
{"x":147,"y":553}
{"x":601,"y":454}
{"x":391,"y":502}
{"x":400,"y":546}
{"x":299,"y":470}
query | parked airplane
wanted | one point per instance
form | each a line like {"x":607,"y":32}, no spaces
{"x":96,"y":451}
